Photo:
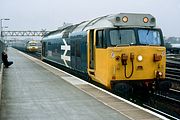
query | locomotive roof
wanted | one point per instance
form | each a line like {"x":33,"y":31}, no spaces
{"x":109,"y":21}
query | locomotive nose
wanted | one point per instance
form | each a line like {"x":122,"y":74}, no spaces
{"x":140,"y":64}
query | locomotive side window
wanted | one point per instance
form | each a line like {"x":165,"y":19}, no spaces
{"x":122,"y":37}
{"x":99,"y":39}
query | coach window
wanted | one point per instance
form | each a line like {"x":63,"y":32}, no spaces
{"x":99,"y":39}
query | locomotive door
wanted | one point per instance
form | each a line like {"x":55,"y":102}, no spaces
{"x":91,"y":52}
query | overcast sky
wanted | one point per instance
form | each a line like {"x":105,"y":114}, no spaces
{"x":50,"y":14}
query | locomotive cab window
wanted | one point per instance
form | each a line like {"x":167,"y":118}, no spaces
{"x":120,"y":37}
{"x":33,"y":44}
{"x":100,"y":41}
{"x":149,"y":37}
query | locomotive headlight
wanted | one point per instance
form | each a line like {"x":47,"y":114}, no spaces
{"x":145,"y":19}
{"x":125,"y":19}
{"x":139,"y":58}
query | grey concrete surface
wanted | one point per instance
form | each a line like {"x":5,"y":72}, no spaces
{"x":31,"y":92}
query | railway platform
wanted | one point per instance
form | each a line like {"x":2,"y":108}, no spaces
{"x":33,"y":90}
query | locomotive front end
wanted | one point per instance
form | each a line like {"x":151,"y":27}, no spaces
{"x":129,"y":56}
{"x":32,"y":46}
{"x":137,"y":66}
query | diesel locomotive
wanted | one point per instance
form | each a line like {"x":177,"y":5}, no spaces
{"x":121,"y":51}
{"x":27,"y":46}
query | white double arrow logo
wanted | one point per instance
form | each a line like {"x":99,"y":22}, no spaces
{"x":65,"y":47}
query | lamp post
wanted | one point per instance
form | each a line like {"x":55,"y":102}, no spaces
{"x":1,"y":23}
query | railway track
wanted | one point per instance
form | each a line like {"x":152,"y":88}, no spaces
{"x":173,"y":61}
{"x":173,"y":64}
{"x":169,"y":101}
{"x":166,"y":103}
{"x":173,"y":72}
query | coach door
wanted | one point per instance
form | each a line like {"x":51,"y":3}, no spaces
{"x":91,"y":52}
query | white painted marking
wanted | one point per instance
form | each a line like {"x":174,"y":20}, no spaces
{"x":65,"y":47}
